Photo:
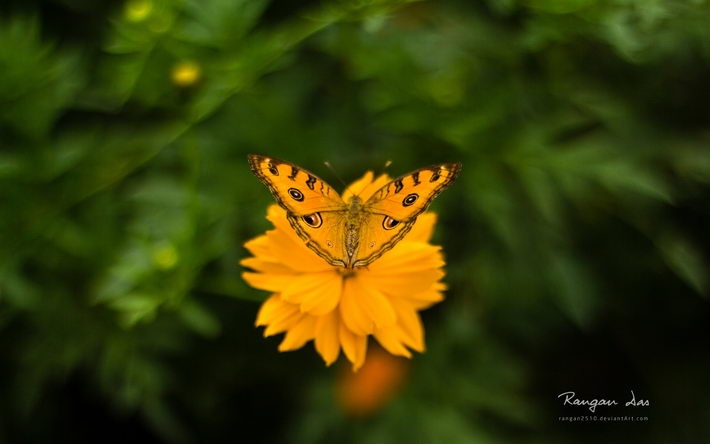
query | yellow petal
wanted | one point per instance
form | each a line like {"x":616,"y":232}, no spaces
{"x":268,"y":282}
{"x":355,"y":188}
{"x":402,"y":284}
{"x":372,"y":188}
{"x":354,"y":346}
{"x":388,"y":338}
{"x":316,"y":293}
{"x":376,"y":304}
{"x":327,"y":339}
{"x":408,"y":256}
{"x":277,"y":216}
{"x":364,"y":308}
{"x":324,"y":298}
{"x":283,"y":246}
{"x":300,"y":333}
{"x":423,"y":229}
{"x":425,"y":299}
{"x":410,"y":329}
{"x":277,"y":315}
{"x":294,"y":253}
{"x":259,"y":247}
{"x":352,"y":312}
{"x":271,"y":309}
{"x":262,"y":266}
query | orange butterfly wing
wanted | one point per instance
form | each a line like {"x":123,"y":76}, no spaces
{"x":353,"y":233}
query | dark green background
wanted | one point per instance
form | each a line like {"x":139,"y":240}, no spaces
{"x":576,"y":236}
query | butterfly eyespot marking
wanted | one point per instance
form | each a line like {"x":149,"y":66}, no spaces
{"x":388,"y":223}
{"x":295,"y":194}
{"x":313,"y":220}
{"x":410,"y":199}
{"x":272,"y":169}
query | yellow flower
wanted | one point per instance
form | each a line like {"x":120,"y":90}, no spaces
{"x":138,"y":10}
{"x":366,"y":391}
{"x":165,"y":256}
{"x":339,"y":308}
{"x":185,"y":74}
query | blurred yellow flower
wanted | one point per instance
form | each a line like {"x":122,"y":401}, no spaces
{"x":186,"y":74}
{"x":165,"y":256}
{"x":138,"y":10}
{"x":364,"y":392}
{"x":339,"y":308}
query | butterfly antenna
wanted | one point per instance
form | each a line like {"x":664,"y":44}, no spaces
{"x":335,"y":173}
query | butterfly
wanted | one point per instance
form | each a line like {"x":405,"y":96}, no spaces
{"x":354,"y":233}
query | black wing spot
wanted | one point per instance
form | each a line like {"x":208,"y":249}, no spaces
{"x":295,"y":194}
{"x":388,"y":223}
{"x":311,"y":182}
{"x":435,"y":176}
{"x":415,"y":177}
{"x":398,"y":185}
{"x":294,"y":172}
{"x":410,"y":199}
{"x":313,"y":220}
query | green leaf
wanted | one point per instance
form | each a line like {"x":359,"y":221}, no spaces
{"x":574,"y":288}
{"x":685,"y":259}
{"x":199,"y":318}
{"x":135,"y":307}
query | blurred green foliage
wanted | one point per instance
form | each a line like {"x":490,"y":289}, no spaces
{"x":576,"y":236}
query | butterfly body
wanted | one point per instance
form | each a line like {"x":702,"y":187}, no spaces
{"x":353,"y":232}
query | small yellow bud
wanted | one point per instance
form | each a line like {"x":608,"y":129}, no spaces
{"x":165,"y":256}
{"x":186,"y":74}
{"x":137,"y":10}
